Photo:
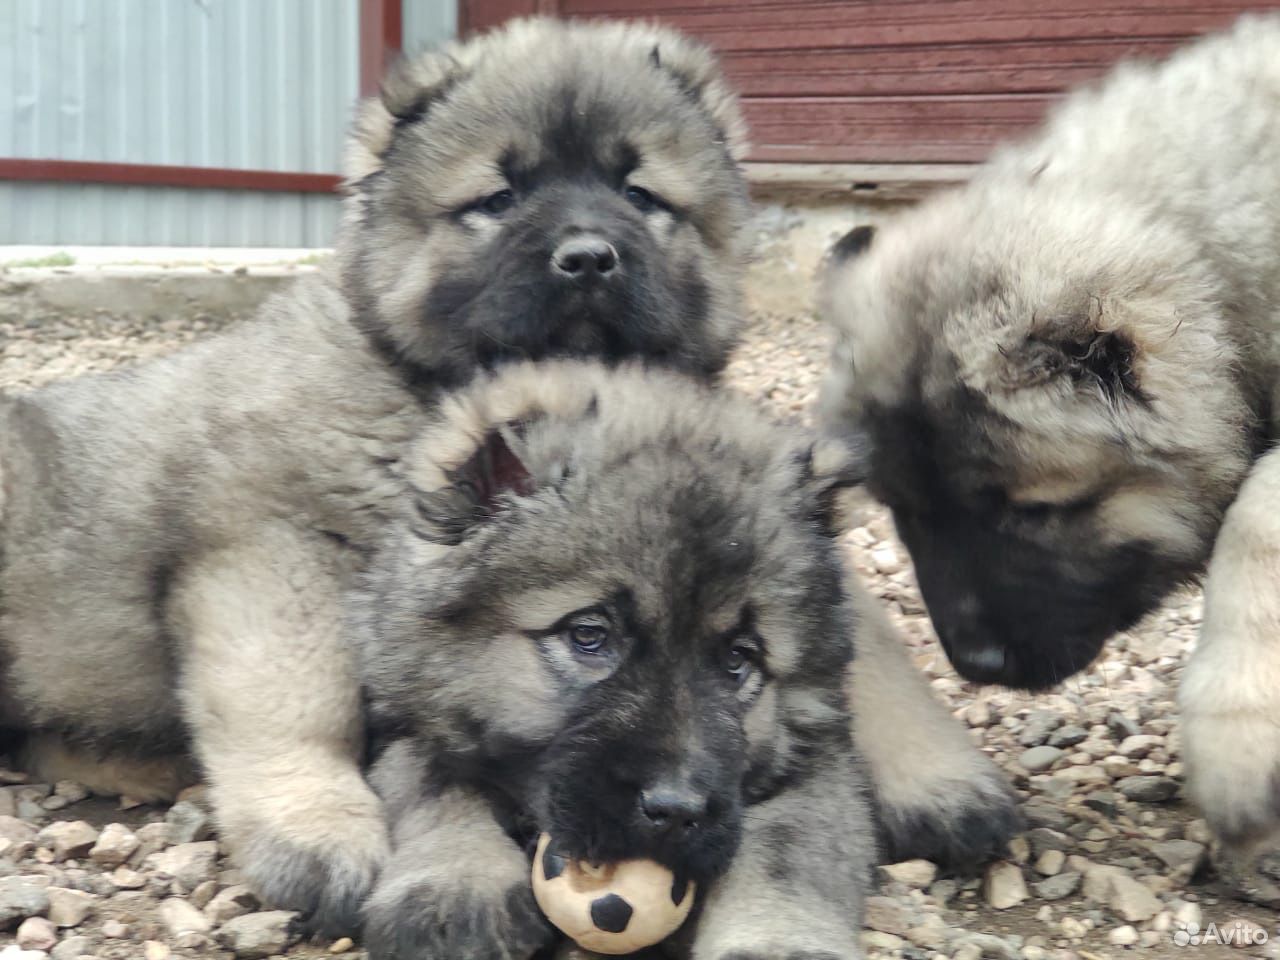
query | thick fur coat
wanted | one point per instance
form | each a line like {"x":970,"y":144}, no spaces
{"x":1065,"y":378}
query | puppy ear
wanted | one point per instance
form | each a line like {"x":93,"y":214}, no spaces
{"x":853,"y":244}
{"x":476,"y":490}
{"x":829,"y":470}
{"x":695,"y":68}
{"x":411,"y":86}
{"x":1100,"y":360}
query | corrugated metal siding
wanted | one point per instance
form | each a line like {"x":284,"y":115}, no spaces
{"x":255,"y":84}
{"x":428,"y":23}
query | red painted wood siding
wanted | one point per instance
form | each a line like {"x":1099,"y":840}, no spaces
{"x":900,"y":81}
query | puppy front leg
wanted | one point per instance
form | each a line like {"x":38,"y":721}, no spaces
{"x":1230,"y":692}
{"x":274,"y":707}
{"x":796,"y":886}
{"x":937,"y":795}
{"x":456,"y":887}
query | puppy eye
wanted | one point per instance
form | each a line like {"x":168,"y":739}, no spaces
{"x":588,"y":636}
{"x":739,"y":661}
{"x":643,"y":200}
{"x":498,"y":203}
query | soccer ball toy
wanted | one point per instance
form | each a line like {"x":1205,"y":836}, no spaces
{"x":612,"y":908}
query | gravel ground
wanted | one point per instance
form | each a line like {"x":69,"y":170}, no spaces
{"x":1115,"y":863}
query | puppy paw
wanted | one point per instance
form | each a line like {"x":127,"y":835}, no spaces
{"x":1255,"y":879}
{"x":1233,"y":770}
{"x":421,"y":921}
{"x":957,"y":821}
{"x":327,"y":889}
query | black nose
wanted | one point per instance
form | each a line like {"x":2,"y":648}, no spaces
{"x":981,"y":662}
{"x":671,"y":808}
{"x":584,"y":257}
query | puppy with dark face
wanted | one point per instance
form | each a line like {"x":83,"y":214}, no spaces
{"x":593,"y":208}
{"x":1065,"y":380}
{"x":615,"y":615}
{"x":174,"y":537}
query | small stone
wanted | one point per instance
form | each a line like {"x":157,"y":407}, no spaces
{"x":229,"y":903}
{"x":932,"y":933}
{"x":152,"y":838}
{"x":917,"y":874}
{"x":8,"y":805}
{"x":1180,"y":856}
{"x":341,"y":945}
{"x":155,"y":950}
{"x":1039,"y":759}
{"x":1068,"y":736}
{"x":887,"y":915}
{"x":991,"y":946}
{"x":190,"y":822}
{"x":189,"y":864}
{"x":1044,"y":813}
{"x":202,"y":894}
{"x":72,"y":948}
{"x":179,"y":916}
{"x":115,"y":930}
{"x":259,"y":935}
{"x":1019,"y":850}
{"x":1057,"y":887}
{"x":116,"y":844}
{"x":1131,"y":900}
{"x":1188,"y":914}
{"x":1049,"y":863}
{"x":1037,"y":728}
{"x":70,"y":791}
{"x":1103,"y":801}
{"x":127,"y":879}
{"x":1003,"y":886}
{"x":1137,"y":747}
{"x":1122,"y":727}
{"x":19,"y":831}
{"x":880,"y":942}
{"x":15,"y":952}
{"x":944,"y":890}
{"x":20,"y":898}
{"x":1125,"y":936}
{"x":36,"y":933}
{"x":69,"y":908}
{"x":68,"y":839}
{"x":1072,"y":928}
{"x":1148,"y":789}
{"x":978,"y":714}
{"x":1042,"y":839}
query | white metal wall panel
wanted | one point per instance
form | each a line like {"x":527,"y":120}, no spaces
{"x":428,"y":23}
{"x":254,"y":84}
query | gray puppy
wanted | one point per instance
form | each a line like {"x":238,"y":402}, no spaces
{"x":1066,"y":377}
{"x":175,"y":536}
{"x":616,"y":615}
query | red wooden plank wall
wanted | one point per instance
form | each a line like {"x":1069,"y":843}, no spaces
{"x":902,"y":81}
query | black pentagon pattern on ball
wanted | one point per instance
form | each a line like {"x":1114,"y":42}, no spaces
{"x":611,"y":914}
{"x":552,"y":863}
{"x":679,"y":887}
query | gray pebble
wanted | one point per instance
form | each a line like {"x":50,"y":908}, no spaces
{"x":1148,"y":789}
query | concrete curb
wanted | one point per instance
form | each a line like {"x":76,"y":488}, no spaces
{"x":33,"y":295}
